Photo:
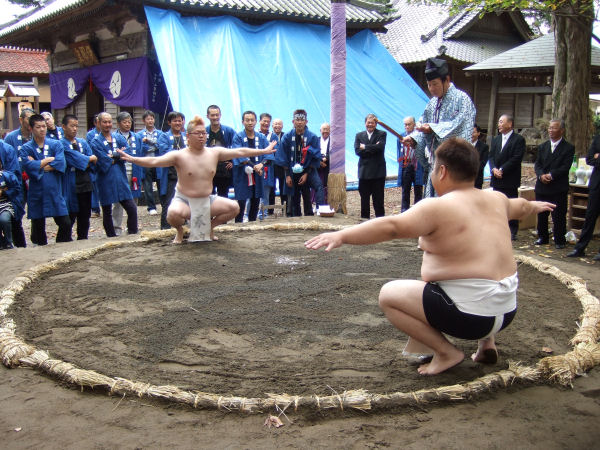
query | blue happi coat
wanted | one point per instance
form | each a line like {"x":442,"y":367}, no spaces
{"x":89,"y":137}
{"x":13,"y":191}
{"x":165,"y":145}
{"x":455,"y":118}
{"x":154,"y":134}
{"x":241,"y":184}
{"x":76,"y":160}
{"x":134,"y":148}
{"x":227,"y":134}
{"x":10,"y":163}
{"x":112,"y":183}
{"x":57,"y":134}
{"x":286,"y":153}
{"x":15,"y":139}
{"x":269,"y":162}
{"x":45,"y":194}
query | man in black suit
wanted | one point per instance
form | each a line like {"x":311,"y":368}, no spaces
{"x":554,"y":159}
{"x":593,"y":207}
{"x":369,"y":145}
{"x":506,"y":155}
{"x":483,"y":150}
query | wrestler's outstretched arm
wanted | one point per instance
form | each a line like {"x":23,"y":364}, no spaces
{"x":420,"y":220}
{"x":243,"y":152}
{"x":519,"y":208}
{"x":166,"y":160}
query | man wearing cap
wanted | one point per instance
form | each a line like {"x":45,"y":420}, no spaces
{"x":449,"y":113}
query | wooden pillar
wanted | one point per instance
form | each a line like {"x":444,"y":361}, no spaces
{"x":8,"y":113}
{"x":492,"y":112}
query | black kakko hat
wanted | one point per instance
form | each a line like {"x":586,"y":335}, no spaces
{"x":436,"y":68}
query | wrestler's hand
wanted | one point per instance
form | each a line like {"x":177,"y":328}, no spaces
{"x":539,"y":207}
{"x":258,"y":168}
{"x":229,"y":165}
{"x":288,"y":181}
{"x":270,"y":148}
{"x":124,"y":156}
{"x":302,"y":179}
{"x":327,"y":240}
{"x":93,"y":159}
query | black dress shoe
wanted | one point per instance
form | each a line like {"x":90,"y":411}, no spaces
{"x":559,"y":246}
{"x":596,"y":257}
{"x":513,"y":237}
{"x":540,"y":241}
{"x":575,"y":253}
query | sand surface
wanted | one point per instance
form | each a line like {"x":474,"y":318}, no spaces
{"x":257,"y":313}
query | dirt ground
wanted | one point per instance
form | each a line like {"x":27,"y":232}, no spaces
{"x":292,"y":321}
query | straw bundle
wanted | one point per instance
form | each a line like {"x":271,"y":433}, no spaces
{"x":564,"y":368}
{"x":560,"y":369}
{"x":12,"y":349}
{"x":336,"y":192}
{"x":589,"y":327}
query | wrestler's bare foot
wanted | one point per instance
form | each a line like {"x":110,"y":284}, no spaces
{"x":440,"y":362}
{"x":486,"y":352}
{"x":179,"y":236}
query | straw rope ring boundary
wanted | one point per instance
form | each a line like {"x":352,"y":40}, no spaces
{"x":560,"y":369}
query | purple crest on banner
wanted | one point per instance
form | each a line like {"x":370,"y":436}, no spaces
{"x":131,"y":82}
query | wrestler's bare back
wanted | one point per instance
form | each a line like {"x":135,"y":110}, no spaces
{"x":469,"y":237}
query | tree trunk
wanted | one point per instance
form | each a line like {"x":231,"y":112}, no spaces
{"x":572,"y":78}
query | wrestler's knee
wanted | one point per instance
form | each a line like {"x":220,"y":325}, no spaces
{"x":395,"y":294}
{"x":387,"y":295}
{"x":233,"y":209}
{"x":176,"y":215}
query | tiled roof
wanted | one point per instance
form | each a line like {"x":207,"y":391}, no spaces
{"x":309,"y":10}
{"x":536,"y":54}
{"x":313,"y":9}
{"x":421,"y":30}
{"x":19,"y":89}
{"x":23,"y":61}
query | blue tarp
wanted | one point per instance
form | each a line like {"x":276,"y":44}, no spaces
{"x":278,"y":67}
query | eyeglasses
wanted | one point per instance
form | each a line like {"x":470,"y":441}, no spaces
{"x":198,"y":133}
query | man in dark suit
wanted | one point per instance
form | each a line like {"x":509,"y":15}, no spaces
{"x":483,"y":150}
{"x":593,"y":207}
{"x":369,"y":145}
{"x":506,"y":155}
{"x":554,"y":158}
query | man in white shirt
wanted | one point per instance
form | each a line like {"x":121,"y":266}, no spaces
{"x":324,"y":164}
